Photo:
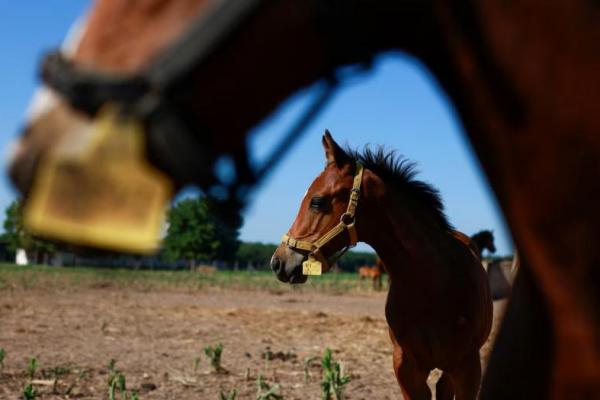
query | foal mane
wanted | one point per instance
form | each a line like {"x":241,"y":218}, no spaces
{"x":401,"y":173}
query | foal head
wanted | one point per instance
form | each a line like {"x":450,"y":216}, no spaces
{"x":323,"y":207}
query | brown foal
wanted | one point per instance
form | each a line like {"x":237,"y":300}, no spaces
{"x":439,"y":308}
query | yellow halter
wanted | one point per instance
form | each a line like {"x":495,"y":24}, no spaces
{"x":316,"y":258}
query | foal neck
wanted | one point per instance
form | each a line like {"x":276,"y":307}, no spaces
{"x":407,"y":239}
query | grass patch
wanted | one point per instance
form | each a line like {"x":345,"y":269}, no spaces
{"x":14,"y":277}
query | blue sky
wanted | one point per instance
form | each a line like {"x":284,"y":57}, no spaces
{"x":397,"y":104}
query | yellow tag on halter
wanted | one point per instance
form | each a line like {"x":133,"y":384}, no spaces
{"x":101,"y":191}
{"x":312,"y":267}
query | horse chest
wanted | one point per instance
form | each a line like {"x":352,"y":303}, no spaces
{"x":425,"y":326}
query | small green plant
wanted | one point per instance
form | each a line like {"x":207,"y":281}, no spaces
{"x":116,"y":381}
{"x":29,"y":393}
{"x":307,"y":362}
{"x":31,"y":367}
{"x":196,"y":364}
{"x":112,"y":373}
{"x":121,"y":384}
{"x":112,"y":388}
{"x":266,"y":392}
{"x":134,"y":395}
{"x":231,"y":395}
{"x":214,"y":354}
{"x":334,"y":379}
{"x":2,"y":357}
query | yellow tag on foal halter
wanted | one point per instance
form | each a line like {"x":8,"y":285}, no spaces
{"x":312,"y":267}
{"x":101,"y":192}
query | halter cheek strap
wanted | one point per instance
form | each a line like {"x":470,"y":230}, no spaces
{"x":316,"y":258}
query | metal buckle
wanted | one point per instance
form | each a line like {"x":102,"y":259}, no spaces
{"x":344,"y":219}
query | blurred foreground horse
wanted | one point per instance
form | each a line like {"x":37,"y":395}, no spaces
{"x":522,"y":75}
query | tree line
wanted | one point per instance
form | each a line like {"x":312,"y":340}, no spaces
{"x":194,"y":233}
{"x":258,"y":255}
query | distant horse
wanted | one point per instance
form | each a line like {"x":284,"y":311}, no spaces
{"x":499,"y":280}
{"x":484,"y":240}
{"x":500,"y":284}
{"x":439,"y":308}
{"x":373,"y":273}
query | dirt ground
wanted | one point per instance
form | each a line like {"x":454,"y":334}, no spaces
{"x":156,"y":336}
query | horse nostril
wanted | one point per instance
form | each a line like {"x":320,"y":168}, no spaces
{"x":276,"y":265}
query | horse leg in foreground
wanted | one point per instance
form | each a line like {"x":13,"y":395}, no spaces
{"x":411,"y":378}
{"x":439,"y":308}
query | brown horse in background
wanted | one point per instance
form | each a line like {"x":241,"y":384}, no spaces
{"x":374,"y":273}
{"x":522,"y":76}
{"x":484,"y":240}
{"x":439,"y":308}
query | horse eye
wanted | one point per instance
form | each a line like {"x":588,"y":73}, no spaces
{"x":319,"y":203}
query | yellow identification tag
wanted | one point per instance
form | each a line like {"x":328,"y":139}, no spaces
{"x":312,"y":267}
{"x":103,"y":192}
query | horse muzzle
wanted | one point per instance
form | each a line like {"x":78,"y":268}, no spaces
{"x":286,"y":264}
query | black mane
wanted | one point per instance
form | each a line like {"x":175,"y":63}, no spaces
{"x":400,"y":172}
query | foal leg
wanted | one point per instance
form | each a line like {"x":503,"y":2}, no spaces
{"x":466,"y":377}
{"x":412,"y":380}
{"x":443,"y":388}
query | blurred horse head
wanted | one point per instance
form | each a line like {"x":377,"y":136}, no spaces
{"x":138,"y":33}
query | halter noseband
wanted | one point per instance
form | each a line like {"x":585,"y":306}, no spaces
{"x":316,"y":259}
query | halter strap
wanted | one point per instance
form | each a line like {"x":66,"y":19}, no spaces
{"x":347,"y":223}
{"x":88,"y":90}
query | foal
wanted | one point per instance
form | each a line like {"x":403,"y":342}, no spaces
{"x":438,"y":308}
{"x":373,"y":273}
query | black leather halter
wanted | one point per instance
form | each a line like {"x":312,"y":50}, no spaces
{"x":183,"y":151}
{"x":89,"y":90}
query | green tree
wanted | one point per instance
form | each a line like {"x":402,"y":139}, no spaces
{"x":257,"y":254}
{"x":352,"y":260}
{"x":16,"y":235}
{"x":195,"y":232}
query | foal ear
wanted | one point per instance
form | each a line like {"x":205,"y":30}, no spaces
{"x":333,"y":151}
